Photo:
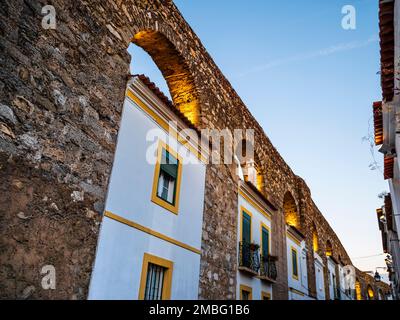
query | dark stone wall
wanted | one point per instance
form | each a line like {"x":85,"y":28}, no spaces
{"x":61,"y":94}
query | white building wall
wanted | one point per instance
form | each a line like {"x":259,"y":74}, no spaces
{"x":118,"y":264}
{"x":300,"y":284}
{"x":332,"y":278}
{"x":256,"y":284}
{"x":319,"y":277}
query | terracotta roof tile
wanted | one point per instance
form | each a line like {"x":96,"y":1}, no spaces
{"x":378,"y":123}
{"x":160,"y":95}
{"x":388,"y":167}
{"x":386,"y":34}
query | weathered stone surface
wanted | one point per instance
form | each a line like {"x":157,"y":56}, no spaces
{"x":65,"y":88}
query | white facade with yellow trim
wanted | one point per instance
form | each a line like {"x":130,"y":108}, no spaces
{"x":142,"y":226}
{"x":260,"y":214}
{"x":296,"y":259}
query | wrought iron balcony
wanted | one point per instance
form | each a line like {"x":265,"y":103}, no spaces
{"x":249,"y":258}
{"x":268,"y":268}
{"x":337,"y":293}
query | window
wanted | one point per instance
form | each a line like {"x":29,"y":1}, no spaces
{"x":245,"y":292}
{"x":265,"y":296}
{"x":155,"y":283}
{"x":246,"y":226}
{"x":167,"y":178}
{"x":295,"y":270}
{"x":264,"y":240}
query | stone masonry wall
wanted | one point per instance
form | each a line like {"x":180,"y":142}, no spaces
{"x":61,"y":94}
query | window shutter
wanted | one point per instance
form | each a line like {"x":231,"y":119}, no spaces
{"x":265,"y":242}
{"x":169,"y":164}
{"x":246,"y":228}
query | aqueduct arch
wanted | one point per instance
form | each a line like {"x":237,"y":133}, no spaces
{"x":65,"y":88}
{"x":290,"y":211}
{"x":175,"y":71}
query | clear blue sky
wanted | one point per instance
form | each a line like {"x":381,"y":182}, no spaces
{"x":311,"y":85}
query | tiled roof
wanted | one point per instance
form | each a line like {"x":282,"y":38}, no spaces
{"x":267,"y":199}
{"x":378,"y":122}
{"x":389,"y":212}
{"x":161,"y":96}
{"x":388,"y":164}
{"x":386,"y":34}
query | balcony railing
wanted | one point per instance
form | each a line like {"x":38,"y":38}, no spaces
{"x":249,"y":259}
{"x":268,"y":268}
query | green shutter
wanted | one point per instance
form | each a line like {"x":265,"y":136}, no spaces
{"x":169,"y":164}
{"x":265,"y":242}
{"x":294,"y":263}
{"x":246,"y":228}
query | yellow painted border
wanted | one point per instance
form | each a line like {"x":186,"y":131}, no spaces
{"x":243,"y":209}
{"x":291,"y":237}
{"x":150,"y":232}
{"x":164,"y":124}
{"x":297,"y":291}
{"x":167,"y":281}
{"x":265,"y":295}
{"x":248,"y":289}
{"x":255,"y":205}
{"x":293,"y":249}
{"x":263,"y":225}
{"x":154,"y":198}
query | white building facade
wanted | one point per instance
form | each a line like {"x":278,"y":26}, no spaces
{"x":387,"y":134}
{"x":296,"y":265}
{"x":150,"y":239}
{"x":256,"y":262}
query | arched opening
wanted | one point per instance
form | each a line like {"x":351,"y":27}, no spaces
{"x":328,"y":249}
{"x":175,"y":71}
{"x":358,"y":290}
{"x":290,"y":211}
{"x":370,"y":293}
{"x":315,"y":239}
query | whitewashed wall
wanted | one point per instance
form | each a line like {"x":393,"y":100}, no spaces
{"x":243,"y":279}
{"x":332,"y":279}
{"x":300,"y":284}
{"x":118,"y":264}
{"x":319,"y":277}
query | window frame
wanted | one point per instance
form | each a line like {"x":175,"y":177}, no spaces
{"x":294,"y":250}
{"x":267,"y":295}
{"x":244,"y":210}
{"x":174,"y":208}
{"x":167,"y":280}
{"x":264,"y":226}
{"x":248,"y":289}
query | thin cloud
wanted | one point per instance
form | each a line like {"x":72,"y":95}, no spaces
{"x":311,"y":55}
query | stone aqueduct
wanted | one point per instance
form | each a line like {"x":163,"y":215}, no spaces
{"x":61,"y":94}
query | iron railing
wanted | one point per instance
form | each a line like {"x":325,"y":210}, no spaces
{"x":268,"y":267}
{"x":249,"y":257}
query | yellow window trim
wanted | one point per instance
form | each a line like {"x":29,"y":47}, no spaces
{"x":297,"y":291}
{"x":265,"y":295}
{"x":291,"y":237}
{"x":168,"y":265}
{"x":248,"y":289}
{"x":293,"y":249}
{"x":164,"y":124}
{"x":263,"y":225}
{"x":162,"y":203}
{"x":255,"y":205}
{"x":243,"y":209}
{"x":150,"y":232}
